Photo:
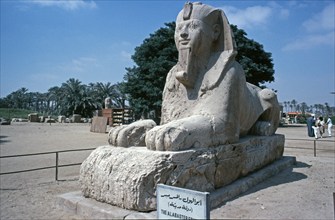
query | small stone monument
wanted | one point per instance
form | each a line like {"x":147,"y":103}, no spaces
{"x":33,"y":117}
{"x":76,"y":118}
{"x":108,"y":103}
{"x":215,"y":127}
{"x":61,"y":118}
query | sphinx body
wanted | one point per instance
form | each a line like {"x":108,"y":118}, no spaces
{"x":207,"y":109}
{"x":206,"y":100}
{"x":216,"y":116}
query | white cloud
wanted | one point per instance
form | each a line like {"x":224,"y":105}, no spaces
{"x":248,"y":17}
{"x":319,"y":31}
{"x":44,"y":76}
{"x":311,"y":41}
{"x":280,"y":12}
{"x":22,"y":7}
{"x":125,"y":43}
{"x":70,"y":5}
{"x":79,"y":65}
{"x":284,"y":13}
{"x":125,"y":55}
{"x":325,"y":20}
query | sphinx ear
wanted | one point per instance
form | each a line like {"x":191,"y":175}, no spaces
{"x":216,"y":31}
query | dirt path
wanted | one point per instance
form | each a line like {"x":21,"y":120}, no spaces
{"x":302,"y":192}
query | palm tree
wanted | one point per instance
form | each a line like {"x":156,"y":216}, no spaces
{"x":118,"y":96}
{"x":298,"y":108}
{"x":327,"y":109}
{"x":311,"y":108}
{"x":304,"y":107}
{"x":54,"y":99}
{"x":101,"y":91}
{"x":316,"y":107}
{"x":291,"y":107}
{"x":18,"y":98}
{"x":87,"y":103}
{"x":73,"y":93}
{"x":35,"y":101}
{"x":285,"y":105}
{"x":293,"y":103}
{"x":322,"y":109}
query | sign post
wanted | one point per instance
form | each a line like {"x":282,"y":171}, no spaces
{"x":180,"y":203}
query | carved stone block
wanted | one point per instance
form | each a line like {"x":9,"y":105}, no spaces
{"x":127,"y":177}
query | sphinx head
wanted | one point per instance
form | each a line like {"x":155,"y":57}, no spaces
{"x":199,"y":33}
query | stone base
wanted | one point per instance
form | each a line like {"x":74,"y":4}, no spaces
{"x":127,"y":177}
{"x":75,"y":203}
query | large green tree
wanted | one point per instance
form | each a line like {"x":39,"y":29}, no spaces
{"x":145,"y":82}
{"x":157,"y":54}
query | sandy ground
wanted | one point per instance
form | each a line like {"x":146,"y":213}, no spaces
{"x":304,"y":191}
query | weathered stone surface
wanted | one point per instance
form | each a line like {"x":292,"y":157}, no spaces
{"x":33,"y":117}
{"x":135,"y":134}
{"x":61,"y":118}
{"x":87,"y":208}
{"x":99,"y":124}
{"x":127,"y":177}
{"x":76,"y":118}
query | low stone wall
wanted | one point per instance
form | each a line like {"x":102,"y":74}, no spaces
{"x":127,"y":177}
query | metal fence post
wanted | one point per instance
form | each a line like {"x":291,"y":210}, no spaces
{"x":56,"y":166}
{"x":314,"y":148}
{"x":43,"y":168}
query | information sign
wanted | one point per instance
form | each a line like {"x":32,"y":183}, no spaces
{"x":180,"y":203}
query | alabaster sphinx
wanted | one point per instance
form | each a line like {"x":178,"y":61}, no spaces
{"x":215,"y":127}
{"x":206,"y":100}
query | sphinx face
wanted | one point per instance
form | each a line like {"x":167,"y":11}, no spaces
{"x":193,"y":34}
{"x":193,"y":40}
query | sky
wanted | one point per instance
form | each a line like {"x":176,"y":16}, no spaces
{"x":44,"y":43}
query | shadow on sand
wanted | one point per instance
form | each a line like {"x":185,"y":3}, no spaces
{"x":2,"y":137}
{"x":292,"y":125}
{"x":285,"y":176}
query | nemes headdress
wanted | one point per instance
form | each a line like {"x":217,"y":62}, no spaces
{"x":210,"y":16}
